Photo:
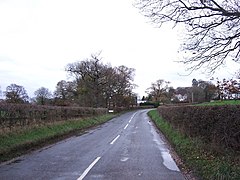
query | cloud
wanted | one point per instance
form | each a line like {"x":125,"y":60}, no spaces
{"x":39,"y":38}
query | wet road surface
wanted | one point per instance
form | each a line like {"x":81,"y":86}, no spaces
{"x":127,"y":148}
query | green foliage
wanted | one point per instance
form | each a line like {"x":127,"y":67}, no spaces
{"x":204,"y":163}
{"x":150,"y":103}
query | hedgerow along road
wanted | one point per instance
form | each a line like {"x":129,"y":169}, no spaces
{"x":128,"y":147}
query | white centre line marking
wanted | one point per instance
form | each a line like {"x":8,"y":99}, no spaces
{"x":126,"y":126}
{"x":89,"y":168}
{"x":132,"y":117}
{"x":115,"y":140}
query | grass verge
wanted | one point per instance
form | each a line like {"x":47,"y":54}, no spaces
{"x":204,"y":163}
{"x":14,"y":144}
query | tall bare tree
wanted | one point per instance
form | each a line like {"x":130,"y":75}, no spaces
{"x":124,"y":86}
{"x":213,"y":28}
{"x":90,"y":75}
{"x":159,"y":91}
{"x":16,"y":94}
{"x":99,"y":84}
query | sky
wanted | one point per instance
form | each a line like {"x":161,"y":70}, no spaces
{"x":38,"y":38}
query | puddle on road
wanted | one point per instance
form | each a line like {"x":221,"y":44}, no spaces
{"x":168,"y":161}
{"x":125,"y":155}
{"x":124,"y":159}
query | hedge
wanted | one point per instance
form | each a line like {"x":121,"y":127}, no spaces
{"x":15,"y":115}
{"x":219,"y":126}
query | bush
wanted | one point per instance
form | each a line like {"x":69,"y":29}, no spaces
{"x":218,"y":126}
{"x":150,"y":104}
{"x":198,"y":160}
{"x":15,"y":115}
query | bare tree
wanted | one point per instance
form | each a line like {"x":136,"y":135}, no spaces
{"x":65,"y":93}
{"x":124,"y":86}
{"x":16,"y":94}
{"x":100,"y":85}
{"x":209,"y":89}
{"x":90,"y":75}
{"x":159,"y":91}
{"x":202,"y":91}
{"x":228,"y":88}
{"x":61,"y":89}
{"x":213,"y":28}
{"x":43,"y":96}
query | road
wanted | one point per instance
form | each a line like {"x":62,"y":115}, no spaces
{"x":127,"y":148}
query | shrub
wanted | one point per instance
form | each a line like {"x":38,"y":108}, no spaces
{"x":219,"y":126}
{"x":15,"y":115}
{"x":150,"y":104}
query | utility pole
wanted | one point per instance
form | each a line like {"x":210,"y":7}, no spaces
{"x":192,"y":97}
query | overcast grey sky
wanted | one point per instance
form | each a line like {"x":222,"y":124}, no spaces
{"x":38,"y":38}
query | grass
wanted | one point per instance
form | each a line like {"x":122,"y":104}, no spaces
{"x":204,"y":163}
{"x":220,"y":103}
{"x":14,"y":144}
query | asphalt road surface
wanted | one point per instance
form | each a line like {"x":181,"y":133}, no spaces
{"x":127,"y":148}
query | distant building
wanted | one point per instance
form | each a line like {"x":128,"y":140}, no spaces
{"x":181,"y":98}
{"x":140,"y":101}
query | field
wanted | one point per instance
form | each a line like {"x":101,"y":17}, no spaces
{"x":220,"y":103}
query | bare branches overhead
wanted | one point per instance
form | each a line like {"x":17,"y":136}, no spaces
{"x":213,"y":28}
